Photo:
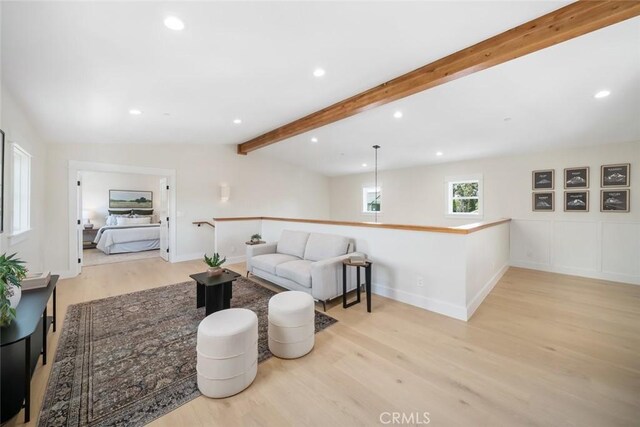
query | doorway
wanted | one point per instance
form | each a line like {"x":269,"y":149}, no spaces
{"x":119,"y":213}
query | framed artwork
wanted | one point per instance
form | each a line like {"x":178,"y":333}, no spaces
{"x":576,"y":177}
{"x":615,"y":175}
{"x":130,"y":199}
{"x":542,"y":180}
{"x":1,"y":181}
{"x":543,"y":201}
{"x":576,"y":201}
{"x":614,"y":200}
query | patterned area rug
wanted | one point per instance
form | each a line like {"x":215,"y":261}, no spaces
{"x":130,"y":359}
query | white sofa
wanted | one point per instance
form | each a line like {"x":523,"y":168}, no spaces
{"x":301,"y":261}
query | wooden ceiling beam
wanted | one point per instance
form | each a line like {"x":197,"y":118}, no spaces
{"x":573,"y":20}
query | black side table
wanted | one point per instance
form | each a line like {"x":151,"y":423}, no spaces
{"x":367,"y":282}
{"x":214,"y":292}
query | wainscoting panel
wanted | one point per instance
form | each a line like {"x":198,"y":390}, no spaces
{"x":621,"y":248}
{"x":607,"y":250}
{"x":575,"y":245}
{"x":531,"y":242}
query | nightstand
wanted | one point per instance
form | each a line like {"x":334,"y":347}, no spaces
{"x":88,"y":235}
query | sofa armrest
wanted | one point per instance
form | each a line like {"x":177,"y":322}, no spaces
{"x":326,"y":277}
{"x":261,"y":249}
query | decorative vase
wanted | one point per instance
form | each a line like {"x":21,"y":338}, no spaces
{"x":16,"y":292}
{"x":215,"y":271}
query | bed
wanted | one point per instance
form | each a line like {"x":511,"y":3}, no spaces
{"x":118,"y":239}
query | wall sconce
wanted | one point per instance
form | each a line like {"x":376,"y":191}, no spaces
{"x":225,"y":192}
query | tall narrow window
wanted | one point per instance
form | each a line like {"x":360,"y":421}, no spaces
{"x":371,"y":200}
{"x":21,"y":218}
{"x":464,"y":197}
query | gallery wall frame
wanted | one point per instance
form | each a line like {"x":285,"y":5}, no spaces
{"x":543,"y":201}
{"x":576,"y":201}
{"x":617,"y":175}
{"x":543,"y":179}
{"x":576,"y":177}
{"x":615,"y":200}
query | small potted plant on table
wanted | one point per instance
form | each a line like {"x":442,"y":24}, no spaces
{"x":12,"y":271}
{"x":256,"y":238}
{"x":215,"y":264}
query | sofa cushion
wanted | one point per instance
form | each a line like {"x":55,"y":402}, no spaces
{"x":292,"y":243}
{"x":323,"y":246}
{"x":298,"y":271}
{"x":269,"y":262}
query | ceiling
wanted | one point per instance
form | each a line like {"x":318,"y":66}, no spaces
{"x":77,"y":68}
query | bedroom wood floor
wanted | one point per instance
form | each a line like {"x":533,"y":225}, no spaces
{"x":543,"y":349}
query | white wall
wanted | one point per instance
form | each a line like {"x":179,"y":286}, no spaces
{"x":231,"y":237}
{"x":259,"y":186}
{"x":592,"y":244}
{"x":96,"y":186}
{"x":446,"y":273}
{"x":17,"y":128}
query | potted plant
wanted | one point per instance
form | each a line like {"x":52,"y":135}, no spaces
{"x":214,"y":262}
{"x":256,"y":238}
{"x":12,"y":271}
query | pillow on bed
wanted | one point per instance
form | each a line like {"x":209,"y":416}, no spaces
{"x":142,"y":211}
{"x":123,"y":220}
{"x":119,"y":211}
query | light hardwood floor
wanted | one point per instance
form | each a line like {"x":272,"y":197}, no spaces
{"x":543,"y":349}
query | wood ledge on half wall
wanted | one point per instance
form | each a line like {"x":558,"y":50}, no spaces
{"x":461,"y":229}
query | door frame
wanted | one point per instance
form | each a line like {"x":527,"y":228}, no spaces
{"x":76,"y":167}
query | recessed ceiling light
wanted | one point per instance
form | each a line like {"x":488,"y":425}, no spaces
{"x":364,"y":165}
{"x":135,"y":112}
{"x":439,"y":153}
{"x":314,"y":139}
{"x":319,"y":72}
{"x":237,"y":121}
{"x":173,"y":23}
{"x":602,"y":94}
{"x":397,"y":114}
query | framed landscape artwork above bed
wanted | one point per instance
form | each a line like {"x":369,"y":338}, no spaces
{"x":130,"y":199}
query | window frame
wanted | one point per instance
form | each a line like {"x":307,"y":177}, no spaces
{"x":450,"y":182}
{"x":365,"y":191}
{"x":24,"y":213}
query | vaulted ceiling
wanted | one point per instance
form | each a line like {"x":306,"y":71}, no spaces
{"x":78,"y":68}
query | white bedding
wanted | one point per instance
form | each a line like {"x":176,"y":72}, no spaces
{"x":118,"y":239}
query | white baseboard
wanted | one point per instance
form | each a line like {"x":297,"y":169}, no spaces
{"x":591,"y":274}
{"x":437,"y":306}
{"x":236,"y":259}
{"x":188,"y":257}
{"x":486,"y":289}
{"x":66,"y":274}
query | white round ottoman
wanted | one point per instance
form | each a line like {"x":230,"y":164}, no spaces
{"x":227,"y":352}
{"x":291,"y":324}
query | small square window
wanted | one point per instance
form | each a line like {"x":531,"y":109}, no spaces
{"x":464,"y":197}
{"x":371,"y":200}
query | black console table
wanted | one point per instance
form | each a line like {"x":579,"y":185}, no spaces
{"x":21,"y":345}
